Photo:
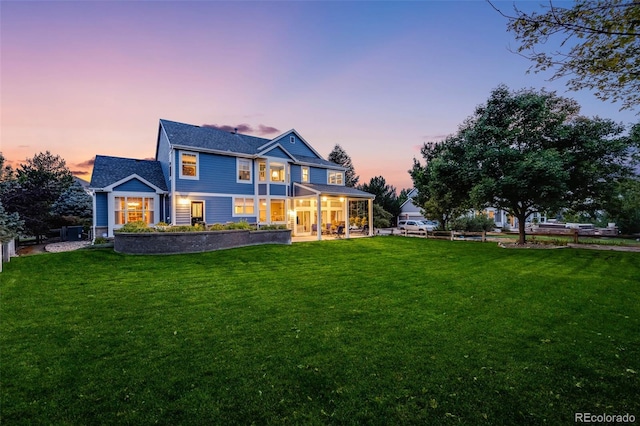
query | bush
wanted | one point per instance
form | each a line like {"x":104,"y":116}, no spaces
{"x":138,"y":226}
{"x":472,"y":224}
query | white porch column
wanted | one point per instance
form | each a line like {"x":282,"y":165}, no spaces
{"x":345,"y":209}
{"x":319,"y":216}
{"x":370,"y":205}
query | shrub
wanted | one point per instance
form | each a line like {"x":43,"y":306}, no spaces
{"x":472,"y":224}
{"x":100,"y":240}
{"x":239,"y":225}
{"x":272,"y":227}
{"x":138,"y":226}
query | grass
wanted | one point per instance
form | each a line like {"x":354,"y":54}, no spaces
{"x":383,"y":330}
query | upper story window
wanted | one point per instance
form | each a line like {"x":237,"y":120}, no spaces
{"x":277,"y":172}
{"x":189,"y":165}
{"x":262,"y":170}
{"x":292,"y":139}
{"x":305,"y":174}
{"x":244,"y":170}
{"x":335,"y":178}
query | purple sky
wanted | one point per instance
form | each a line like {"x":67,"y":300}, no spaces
{"x":378,"y":78}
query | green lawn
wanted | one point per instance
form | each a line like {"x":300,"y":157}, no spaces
{"x":384,"y":330}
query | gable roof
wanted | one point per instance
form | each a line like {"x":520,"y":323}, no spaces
{"x":109,"y":170}
{"x":197,"y":138}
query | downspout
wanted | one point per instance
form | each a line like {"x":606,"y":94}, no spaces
{"x":172,"y":181}
{"x":319,"y":216}
{"x":93,"y":228}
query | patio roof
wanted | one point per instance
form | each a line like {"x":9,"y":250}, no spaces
{"x":308,"y":189}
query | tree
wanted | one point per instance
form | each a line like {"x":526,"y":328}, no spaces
{"x":442,"y":183}
{"x":624,"y":209}
{"x":598,"y":45}
{"x":340,"y":156}
{"x":40,"y":182}
{"x":385,"y":194}
{"x":526,"y":152}
{"x":74,"y":203}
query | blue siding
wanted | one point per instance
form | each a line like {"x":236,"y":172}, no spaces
{"x":297,"y":148}
{"x":318,"y":175}
{"x":134,"y":185}
{"x":278,"y":189}
{"x":102,"y":212}
{"x":220,"y":210}
{"x":276,"y":152}
{"x":296,"y":173}
{"x":163,"y":152}
{"x":262,"y":189}
{"x":217,"y":174}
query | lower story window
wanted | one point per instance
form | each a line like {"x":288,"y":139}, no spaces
{"x":277,"y":211}
{"x":243,"y":206}
{"x":134,"y":209}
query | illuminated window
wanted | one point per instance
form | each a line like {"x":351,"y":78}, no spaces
{"x":262,"y":170}
{"x":262,"y":210}
{"x":243,"y":206}
{"x":305,"y":174}
{"x":244,"y":170}
{"x":335,"y":178}
{"x":277,"y":211}
{"x":276,"y":172}
{"x":134,"y":209}
{"x":188,"y":165}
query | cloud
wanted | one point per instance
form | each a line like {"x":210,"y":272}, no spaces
{"x":88,"y":163}
{"x":79,"y":172}
{"x":244,"y":128}
{"x":267,"y":130}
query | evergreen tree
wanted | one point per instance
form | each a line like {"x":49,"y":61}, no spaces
{"x":340,"y":156}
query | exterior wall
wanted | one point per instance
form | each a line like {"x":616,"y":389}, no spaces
{"x":296,"y":148}
{"x":216,"y":174}
{"x":278,"y":153}
{"x":102,"y":210}
{"x":134,"y":185}
{"x":163,"y":155}
{"x":280,"y":190}
{"x":318,"y":175}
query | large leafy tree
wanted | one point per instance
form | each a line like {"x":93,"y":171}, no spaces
{"x":39,"y":183}
{"x":339,"y":156}
{"x":442,"y":183}
{"x":593,"y":43}
{"x":527,"y":151}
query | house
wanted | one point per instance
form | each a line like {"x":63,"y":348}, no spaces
{"x":207,"y":175}
{"x":409,"y":210}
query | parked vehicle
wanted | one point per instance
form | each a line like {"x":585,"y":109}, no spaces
{"x":415,"y":226}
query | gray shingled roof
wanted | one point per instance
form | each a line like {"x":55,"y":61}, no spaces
{"x":108,"y":170}
{"x":208,"y":138}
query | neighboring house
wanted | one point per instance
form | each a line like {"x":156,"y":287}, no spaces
{"x":409,"y":210}
{"x":202,"y":174}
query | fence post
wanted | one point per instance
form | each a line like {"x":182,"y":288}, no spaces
{"x":452,"y":235}
{"x":484,"y":236}
{"x":575,"y":236}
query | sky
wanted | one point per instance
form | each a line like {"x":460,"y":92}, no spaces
{"x":80,"y":78}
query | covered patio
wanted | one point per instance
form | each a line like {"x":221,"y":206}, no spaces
{"x":330,"y":210}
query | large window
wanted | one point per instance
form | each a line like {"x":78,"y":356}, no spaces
{"x":305,"y":174}
{"x":243,"y":206}
{"x":276,"y":172}
{"x":277,"y":211}
{"x":133,"y":209}
{"x":244,"y":170}
{"x":335,"y":178}
{"x":262,"y":170}
{"x":189,"y":165}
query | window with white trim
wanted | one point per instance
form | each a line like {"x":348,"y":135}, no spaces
{"x":335,"y":178}
{"x":188,"y":165}
{"x":134,"y":209}
{"x":243,"y":206}
{"x":278,"y":211}
{"x":244,"y":170}
{"x":276,"y":172}
{"x":292,"y":139}
{"x":305,"y":174}
{"x":262,"y":170}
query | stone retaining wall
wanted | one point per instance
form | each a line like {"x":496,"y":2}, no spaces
{"x":195,"y":242}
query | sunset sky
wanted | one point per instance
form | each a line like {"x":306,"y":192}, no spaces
{"x":378,"y":78}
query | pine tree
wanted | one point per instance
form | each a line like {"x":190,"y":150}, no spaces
{"x":340,"y":156}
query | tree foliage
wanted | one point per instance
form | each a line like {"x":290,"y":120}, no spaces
{"x":38,"y":184}
{"x":598,"y":45}
{"x":386,"y":196}
{"x":74,"y":202}
{"x":526,"y":152}
{"x":339,"y":156}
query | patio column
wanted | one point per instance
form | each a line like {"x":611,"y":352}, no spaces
{"x":370,"y":205}
{"x":345,"y":209}
{"x":319,"y":216}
